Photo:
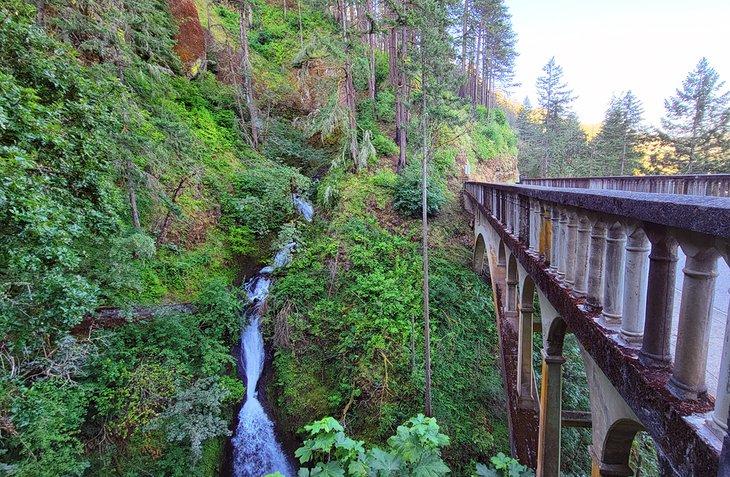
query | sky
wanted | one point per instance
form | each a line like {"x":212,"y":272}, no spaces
{"x":610,"y":46}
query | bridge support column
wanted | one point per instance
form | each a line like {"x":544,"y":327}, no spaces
{"x":595,"y":265}
{"x":634,"y":303}
{"x":571,"y":248}
{"x":695,"y":313}
{"x":554,"y":239}
{"x":525,"y":380}
{"x":613,"y":286}
{"x":548,"y":452}
{"x":655,"y":349}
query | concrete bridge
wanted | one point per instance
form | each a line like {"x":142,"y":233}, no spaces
{"x":601,"y":262}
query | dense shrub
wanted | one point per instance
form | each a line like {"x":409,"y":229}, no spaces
{"x":408,"y":192}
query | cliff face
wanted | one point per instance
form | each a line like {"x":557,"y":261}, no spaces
{"x":190,"y":38}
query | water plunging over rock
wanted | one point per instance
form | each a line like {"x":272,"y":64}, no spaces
{"x":255,"y":449}
{"x":303,"y":206}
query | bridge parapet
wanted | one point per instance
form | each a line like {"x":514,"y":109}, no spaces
{"x":614,"y":254}
{"x":701,"y":184}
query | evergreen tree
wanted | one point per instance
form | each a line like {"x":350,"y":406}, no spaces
{"x":614,"y":147}
{"x":697,"y":122}
{"x":553,"y":94}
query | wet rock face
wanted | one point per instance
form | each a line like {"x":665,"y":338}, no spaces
{"x":190,"y":38}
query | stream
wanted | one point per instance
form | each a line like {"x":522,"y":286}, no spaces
{"x":256,"y":452}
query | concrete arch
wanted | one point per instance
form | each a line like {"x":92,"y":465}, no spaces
{"x":525,"y":378}
{"x":480,"y":248}
{"x":556,"y":337}
{"x":512,"y":282}
{"x":617,"y":446}
{"x":501,"y":254}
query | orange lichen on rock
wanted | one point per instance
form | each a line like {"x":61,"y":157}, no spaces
{"x":190,"y":38}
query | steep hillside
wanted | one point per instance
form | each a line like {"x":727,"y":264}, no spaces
{"x":130,"y":181}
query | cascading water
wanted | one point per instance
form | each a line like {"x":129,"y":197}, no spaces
{"x":255,"y":449}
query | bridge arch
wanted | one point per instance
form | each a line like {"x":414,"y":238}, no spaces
{"x":501,"y":261}
{"x":480,"y":249}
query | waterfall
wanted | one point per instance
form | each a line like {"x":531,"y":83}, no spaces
{"x":255,"y":449}
{"x":303,"y":206}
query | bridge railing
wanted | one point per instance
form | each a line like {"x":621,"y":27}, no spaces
{"x":618,"y":250}
{"x":717,"y":185}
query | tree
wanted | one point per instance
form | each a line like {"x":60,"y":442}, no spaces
{"x":247,"y":76}
{"x":697,"y":122}
{"x":553,"y":94}
{"x":615,"y":144}
{"x":554,"y":98}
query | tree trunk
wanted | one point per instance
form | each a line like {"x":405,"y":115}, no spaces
{"x":424,"y":217}
{"x":402,"y":115}
{"x":132,"y":197}
{"x":301,"y":35}
{"x":246,"y":76}
{"x":476,"y":70}
{"x":349,"y":88}
{"x":371,"y":52}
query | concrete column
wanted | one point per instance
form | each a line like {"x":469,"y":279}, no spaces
{"x":510,"y":306}
{"x":613,"y":285}
{"x":525,"y":380}
{"x":722,"y":397}
{"x":517,"y":215}
{"x":695,"y":313}
{"x":571,"y":247}
{"x":656,"y":347}
{"x":635,"y":283}
{"x":525,"y":219}
{"x":554,"y":238}
{"x":548,"y":451}
{"x":595,"y":265}
{"x":581,"y":256}
{"x":563,"y":245}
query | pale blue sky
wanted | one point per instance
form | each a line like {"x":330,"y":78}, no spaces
{"x":607,"y":47}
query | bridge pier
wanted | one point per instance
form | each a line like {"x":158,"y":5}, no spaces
{"x":548,"y":453}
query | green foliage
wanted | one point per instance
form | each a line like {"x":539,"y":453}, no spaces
{"x":408,"y":194}
{"x":503,"y":466}
{"x":261,"y":198}
{"x":415,"y":450}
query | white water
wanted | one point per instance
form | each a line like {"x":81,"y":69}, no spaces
{"x":255,"y":449}
{"x":304,"y":207}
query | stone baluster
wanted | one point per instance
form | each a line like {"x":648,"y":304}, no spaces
{"x":517,"y":214}
{"x":544,"y":231}
{"x":613,"y":285}
{"x":563,"y":245}
{"x":597,"y":255}
{"x":571,"y":248}
{"x":655,"y":349}
{"x":581,"y":256}
{"x":554,"y":238}
{"x":722,"y":397}
{"x":525,"y":219}
{"x":695,"y":314}
{"x":534,"y":226}
{"x":635,"y":284}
